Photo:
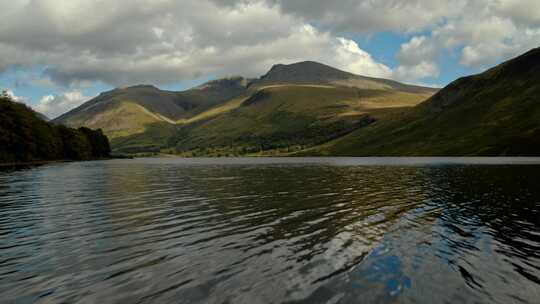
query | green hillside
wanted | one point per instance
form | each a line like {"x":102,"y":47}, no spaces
{"x":282,"y":119}
{"x":493,"y":113}
{"x":26,"y":137}
{"x":127,"y":111}
{"x":310,"y":72}
{"x":290,"y":108}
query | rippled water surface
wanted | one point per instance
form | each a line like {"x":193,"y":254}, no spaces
{"x":272,"y":231}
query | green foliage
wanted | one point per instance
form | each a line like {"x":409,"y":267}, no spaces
{"x":24,"y":137}
{"x":99,"y":143}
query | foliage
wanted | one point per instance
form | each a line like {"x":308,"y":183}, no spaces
{"x":24,"y":137}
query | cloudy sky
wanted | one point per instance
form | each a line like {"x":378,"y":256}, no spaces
{"x":56,"y":54}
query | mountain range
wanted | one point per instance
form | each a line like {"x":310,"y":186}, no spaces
{"x":495,"y":113}
{"x":290,"y":108}
{"x":309,"y":108}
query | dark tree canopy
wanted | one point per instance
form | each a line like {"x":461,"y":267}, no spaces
{"x":24,"y":137}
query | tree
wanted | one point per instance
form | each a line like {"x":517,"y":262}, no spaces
{"x":25,"y":137}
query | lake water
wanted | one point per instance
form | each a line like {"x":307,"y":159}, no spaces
{"x":330,"y":230}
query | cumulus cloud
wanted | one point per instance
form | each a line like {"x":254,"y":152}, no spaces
{"x":146,"y":41}
{"x":482,"y":32}
{"x":351,"y":58}
{"x":421,"y":70}
{"x":166,"y":41}
{"x":368,"y":16}
{"x":485,"y":33}
{"x":417,"y":60}
{"x":14,"y":97}
{"x":55,"y":105}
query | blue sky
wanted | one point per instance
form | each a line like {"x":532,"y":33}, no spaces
{"x":54,"y":62}
{"x":384,"y":47}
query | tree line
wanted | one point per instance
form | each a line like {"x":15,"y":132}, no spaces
{"x":25,"y":137}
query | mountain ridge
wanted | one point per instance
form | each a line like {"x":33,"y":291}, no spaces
{"x":493,"y":113}
{"x":308,"y":108}
{"x":131,"y":110}
{"x":308,"y":72}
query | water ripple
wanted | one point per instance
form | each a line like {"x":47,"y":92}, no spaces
{"x":149,"y":231}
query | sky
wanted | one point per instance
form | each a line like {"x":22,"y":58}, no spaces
{"x":57,"y":54}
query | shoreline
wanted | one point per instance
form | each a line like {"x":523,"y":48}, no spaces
{"x":46,"y":162}
{"x":33,"y":163}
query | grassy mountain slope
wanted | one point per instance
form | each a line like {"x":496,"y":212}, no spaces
{"x":127,"y":111}
{"x":290,"y":108}
{"x":309,"y":72}
{"x":25,"y":137}
{"x":279,"y":117}
{"x":493,"y":113}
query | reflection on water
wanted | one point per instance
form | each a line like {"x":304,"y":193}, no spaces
{"x":273,"y":231}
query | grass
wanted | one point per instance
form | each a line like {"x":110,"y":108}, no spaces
{"x":121,"y":120}
{"x":275,"y":120}
{"x":215,"y":111}
{"x":495,"y":113}
{"x":268,"y":120}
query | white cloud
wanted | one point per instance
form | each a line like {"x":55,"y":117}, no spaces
{"x":485,"y":33}
{"x":417,"y":50}
{"x":353,"y":59}
{"x":368,"y":16}
{"x":167,"y":41}
{"x":146,"y":41}
{"x":417,"y":60}
{"x":489,"y":31}
{"x":526,"y":12}
{"x":16,"y":98}
{"x":421,"y":70}
{"x":55,"y":105}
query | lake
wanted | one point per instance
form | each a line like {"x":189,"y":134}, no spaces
{"x":263,"y":230}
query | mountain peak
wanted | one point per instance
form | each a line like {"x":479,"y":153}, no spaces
{"x":301,"y":64}
{"x":305,"y":67}
{"x":139,"y":87}
{"x":304,"y":72}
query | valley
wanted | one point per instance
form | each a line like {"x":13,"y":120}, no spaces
{"x":310,"y":109}
{"x":291,"y":108}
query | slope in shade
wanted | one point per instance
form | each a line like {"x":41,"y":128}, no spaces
{"x":493,"y":113}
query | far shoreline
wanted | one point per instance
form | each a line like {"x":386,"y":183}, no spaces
{"x":56,"y":161}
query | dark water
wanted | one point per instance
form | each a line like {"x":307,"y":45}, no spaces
{"x":272,"y":231}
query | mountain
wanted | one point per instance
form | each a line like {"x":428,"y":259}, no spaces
{"x":310,"y":72}
{"x":290,"y":108}
{"x":493,"y":113}
{"x":127,"y":111}
{"x":42,"y":116}
{"x":25,"y":137}
{"x":284,"y":118}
